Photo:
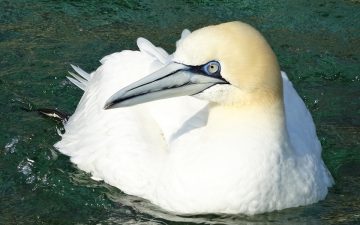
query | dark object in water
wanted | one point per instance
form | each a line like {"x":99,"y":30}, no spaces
{"x":53,"y":113}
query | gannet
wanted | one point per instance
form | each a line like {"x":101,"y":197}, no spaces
{"x":228,"y":132}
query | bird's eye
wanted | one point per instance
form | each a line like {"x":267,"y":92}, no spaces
{"x":212,"y":67}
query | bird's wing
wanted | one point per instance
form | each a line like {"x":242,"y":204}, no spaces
{"x":169,"y":114}
{"x":124,"y":146}
{"x":300,"y":125}
{"x":302,"y":131}
{"x":120,"y":146}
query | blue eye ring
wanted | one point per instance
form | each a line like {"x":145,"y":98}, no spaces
{"x":212,"y":68}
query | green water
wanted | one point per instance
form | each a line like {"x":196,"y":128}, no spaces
{"x":317,"y":43}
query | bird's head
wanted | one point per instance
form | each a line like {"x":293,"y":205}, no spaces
{"x":230,"y":63}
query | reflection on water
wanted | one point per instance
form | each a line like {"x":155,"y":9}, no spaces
{"x":317,"y":43}
{"x":336,"y":209}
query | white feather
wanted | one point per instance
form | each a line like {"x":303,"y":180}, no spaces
{"x":77,"y":83}
{"x":184,"y":34}
{"x":81,"y":72}
{"x":79,"y":80}
{"x":168,"y":151}
{"x":157,"y":52}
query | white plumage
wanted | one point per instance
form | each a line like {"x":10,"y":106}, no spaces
{"x":191,"y":156}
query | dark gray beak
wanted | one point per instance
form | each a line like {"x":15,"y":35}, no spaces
{"x":173,"y":80}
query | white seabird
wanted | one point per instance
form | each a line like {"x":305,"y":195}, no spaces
{"x":239,"y":140}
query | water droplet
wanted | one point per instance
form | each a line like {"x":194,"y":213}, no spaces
{"x":30,"y":179}
{"x":11,"y":146}
{"x":24,"y":166}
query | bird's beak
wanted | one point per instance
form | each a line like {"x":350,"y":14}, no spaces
{"x":173,"y":80}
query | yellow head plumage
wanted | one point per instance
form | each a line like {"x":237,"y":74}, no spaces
{"x":247,"y":61}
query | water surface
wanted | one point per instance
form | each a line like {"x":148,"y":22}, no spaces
{"x":317,"y":43}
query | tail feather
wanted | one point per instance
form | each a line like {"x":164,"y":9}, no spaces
{"x":77,"y":83}
{"x":81,"y":72}
{"x":80,"y":79}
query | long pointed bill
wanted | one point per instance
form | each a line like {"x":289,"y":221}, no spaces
{"x":171,"y":81}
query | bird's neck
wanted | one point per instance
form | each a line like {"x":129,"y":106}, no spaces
{"x":272,"y":113}
{"x":253,"y":124}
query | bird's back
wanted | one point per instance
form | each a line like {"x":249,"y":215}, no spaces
{"x":124,"y":147}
